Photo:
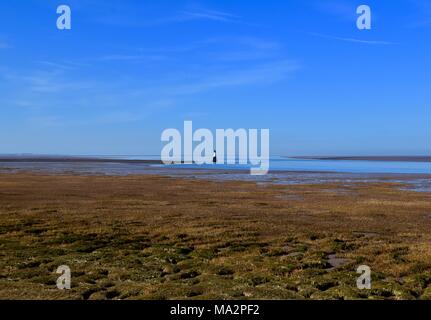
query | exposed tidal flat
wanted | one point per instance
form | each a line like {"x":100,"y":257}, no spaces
{"x":409,"y":174}
{"x":196,"y":234}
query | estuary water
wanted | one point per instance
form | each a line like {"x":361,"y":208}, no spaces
{"x":346,"y":166}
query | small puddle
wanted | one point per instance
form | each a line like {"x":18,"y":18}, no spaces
{"x":335,"y":262}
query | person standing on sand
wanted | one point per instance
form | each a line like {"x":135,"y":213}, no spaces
{"x":215,"y":157}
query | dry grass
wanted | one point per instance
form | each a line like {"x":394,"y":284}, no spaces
{"x":154,"y":237}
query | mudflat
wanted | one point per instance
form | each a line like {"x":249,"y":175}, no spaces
{"x":157,"y":237}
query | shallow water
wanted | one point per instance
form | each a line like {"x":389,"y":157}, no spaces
{"x":349,"y":166}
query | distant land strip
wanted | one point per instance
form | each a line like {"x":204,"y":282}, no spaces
{"x":373,"y":158}
{"x":76,"y":160}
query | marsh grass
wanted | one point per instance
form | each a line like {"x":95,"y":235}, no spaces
{"x":153,"y":237}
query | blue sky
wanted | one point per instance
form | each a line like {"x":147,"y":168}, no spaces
{"x":130,"y":69}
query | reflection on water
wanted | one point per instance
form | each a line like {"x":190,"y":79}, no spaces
{"x":414,"y":176}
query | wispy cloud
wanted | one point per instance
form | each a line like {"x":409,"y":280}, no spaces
{"x":50,"y":76}
{"x":222,"y":48}
{"x":133,"y":57}
{"x":354,"y":40}
{"x":106,"y":118}
{"x":130,"y":18}
{"x":53,"y":83}
{"x":56,"y":65}
{"x":256,"y":75}
{"x":198,"y":15}
{"x":211,"y":15}
{"x":52,"y":89}
{"x":4,"y":45}
{"x":244,"y":48}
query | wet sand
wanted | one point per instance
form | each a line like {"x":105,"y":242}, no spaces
{"x":160,"y":237}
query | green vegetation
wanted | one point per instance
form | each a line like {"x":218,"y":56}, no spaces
{"x":152,"y":237}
